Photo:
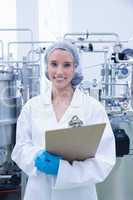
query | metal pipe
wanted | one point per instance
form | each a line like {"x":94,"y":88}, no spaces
{"x":5,"y":176}
{"x":18,"y":30}
{"x":19,"y":62}
{"x":87,"y":34}
{"x":114,"y":97}
{"x":100,"y":41}
{"x":114,"y":84}
{"x":24,"y":42}
{"x":106,"y":76}
{"x":132,"y":87}
{"x":95,"y":51}
{"x":8,"y":121}
{"x":2,"y":49}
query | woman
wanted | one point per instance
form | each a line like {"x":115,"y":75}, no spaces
{"x":50,"y":176}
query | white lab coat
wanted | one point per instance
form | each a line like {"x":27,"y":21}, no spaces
{"x":76,"y":180}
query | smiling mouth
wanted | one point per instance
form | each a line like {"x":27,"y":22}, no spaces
{"x":59,"y":78}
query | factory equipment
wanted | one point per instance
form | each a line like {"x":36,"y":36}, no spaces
{"x":122,"y":142}
{"x":117,"y":99}
{"x":115,"y":91}
{"x":9,"y":108}
{"x":116,"y":70}
{"x":10,"y":105}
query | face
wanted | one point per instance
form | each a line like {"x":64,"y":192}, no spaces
{"x":61,"y":68}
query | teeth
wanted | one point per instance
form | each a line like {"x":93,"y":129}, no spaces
{"x":59,"y":78}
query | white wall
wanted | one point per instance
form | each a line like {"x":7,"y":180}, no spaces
{"x":102,"y":16}
{"x":76,"y":15}
{"x":53,"y":19}
{"x":27,"y":17}
{"x":7,"y":21}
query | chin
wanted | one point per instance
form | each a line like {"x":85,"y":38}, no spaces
{"x":61,"y":86}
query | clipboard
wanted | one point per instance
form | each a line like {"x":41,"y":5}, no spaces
{"x":77,"y":143}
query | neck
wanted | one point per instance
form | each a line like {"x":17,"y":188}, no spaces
{"x":62,"y":93}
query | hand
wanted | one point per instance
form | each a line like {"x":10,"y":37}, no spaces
{"x":47,"y":162}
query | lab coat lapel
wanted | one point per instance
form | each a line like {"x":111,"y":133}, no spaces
{"x":49,"y":114}
{"x":73,"y":109}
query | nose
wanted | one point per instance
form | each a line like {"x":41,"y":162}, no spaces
{"x":59,"y":69}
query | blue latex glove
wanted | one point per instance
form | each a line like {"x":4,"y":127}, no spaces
{"x":47,"y":162}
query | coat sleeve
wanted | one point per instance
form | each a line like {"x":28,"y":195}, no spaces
{"x":24,"y":151}
{"x":91,"y":170}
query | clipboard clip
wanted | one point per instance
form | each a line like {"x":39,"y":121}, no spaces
{"x":75,"y":122}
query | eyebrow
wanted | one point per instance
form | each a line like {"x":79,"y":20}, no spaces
{"x":64,"y":61}
{"x":68,"y":62}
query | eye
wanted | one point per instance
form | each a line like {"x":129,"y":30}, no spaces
{"x":54,"y":64}
{"x":67,"y":64}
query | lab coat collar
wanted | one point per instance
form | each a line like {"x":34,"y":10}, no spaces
{"x":46,"y":95}
{"x":76,"y":100}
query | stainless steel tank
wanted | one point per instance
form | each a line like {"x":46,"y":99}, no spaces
{"x":8,"y":115}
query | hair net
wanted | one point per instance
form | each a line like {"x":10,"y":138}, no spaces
{"x":71,"y":48}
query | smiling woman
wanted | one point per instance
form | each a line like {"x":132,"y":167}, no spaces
{"x":51,"y":177}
